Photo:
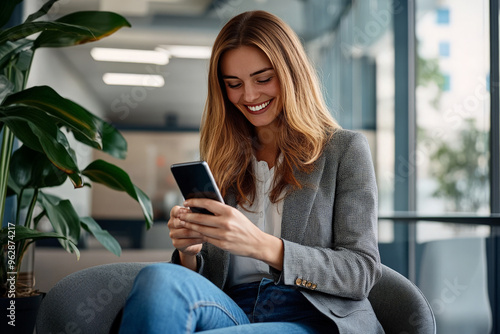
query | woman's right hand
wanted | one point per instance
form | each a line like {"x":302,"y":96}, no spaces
{"x":186,"y":241}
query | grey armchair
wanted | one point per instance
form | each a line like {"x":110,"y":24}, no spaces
{"x":90,"y":301}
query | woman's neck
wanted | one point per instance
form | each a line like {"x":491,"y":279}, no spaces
{"x":267,"y":149}
{"x":267,"y":155}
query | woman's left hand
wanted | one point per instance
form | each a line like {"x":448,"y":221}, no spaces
{"x":230,"y":230}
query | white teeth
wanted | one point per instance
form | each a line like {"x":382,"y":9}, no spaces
{"x":259,"y":107}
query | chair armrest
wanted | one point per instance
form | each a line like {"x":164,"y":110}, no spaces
{"x":400,"y":306}
{"x":87,"y":301}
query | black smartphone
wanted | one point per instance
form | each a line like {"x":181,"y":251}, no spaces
{"x":195,"y":180}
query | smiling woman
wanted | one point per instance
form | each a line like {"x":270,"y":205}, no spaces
{"x":293,"y":247}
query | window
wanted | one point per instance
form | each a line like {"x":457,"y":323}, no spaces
{"x":452,"y":108}
{"x":443,"y":16}
{"x":444,"y":49}
{"x":446,"y":83}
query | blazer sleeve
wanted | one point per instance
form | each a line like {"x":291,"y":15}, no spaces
{"x":341,"y":259}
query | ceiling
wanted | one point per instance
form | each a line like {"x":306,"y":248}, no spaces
{"x":179,"y":103}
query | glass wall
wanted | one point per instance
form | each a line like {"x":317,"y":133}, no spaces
{"x":414,"y":77}
{"x":453,"y":104}
{"x":356,"y":63}
{"x":452,"y":160}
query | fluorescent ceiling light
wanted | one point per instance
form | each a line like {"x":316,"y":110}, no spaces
{"x":158,"y":57}
{"x":129,"y":79}
{"x":187,"y":51}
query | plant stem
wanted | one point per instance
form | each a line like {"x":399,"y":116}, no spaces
{"x":29,"y":214}
{"x":23,"y":244}
{"x":19,"y":204}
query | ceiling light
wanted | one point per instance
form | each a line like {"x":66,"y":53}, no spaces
{"x":158,"y":57}
{"x":129,"y":79}
{"x":187,"y":51}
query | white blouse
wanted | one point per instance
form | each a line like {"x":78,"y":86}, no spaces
{"x":267,"y":217}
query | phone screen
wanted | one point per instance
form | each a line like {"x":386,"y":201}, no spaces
{"x":195,"y":180}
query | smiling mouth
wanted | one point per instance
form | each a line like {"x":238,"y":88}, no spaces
{"x":258,"y":107}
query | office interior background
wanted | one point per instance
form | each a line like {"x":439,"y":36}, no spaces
{"x":418,"y":77}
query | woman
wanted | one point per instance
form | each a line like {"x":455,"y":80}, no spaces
{"x":294,"y":248}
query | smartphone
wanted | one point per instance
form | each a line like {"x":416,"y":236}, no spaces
{"x":195,"y":180}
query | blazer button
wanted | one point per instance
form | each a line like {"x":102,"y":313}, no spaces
{"x":298,"y":281}
{"x":313,"y":287}
{"x":308,"y":285}
{"x":304,"y":282}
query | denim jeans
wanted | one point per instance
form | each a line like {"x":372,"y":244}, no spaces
{"x":168,"y":298}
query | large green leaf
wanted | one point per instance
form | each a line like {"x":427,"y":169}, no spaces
{"x":19,"y":68}
{"x":56,"y":147}
{"x":10,"y":49}
{"x":113,"y":141}
{"x":63,"y":218}
{"x":30,"y":28}
{"x":15,"y":189}
{"x":103,"y":236}
{"x":6,"y":87}
{"x":32,"y":169}
{"x":115,"y":178}
{"x":53,"y":141}
{"x":6,"y":9}
{"x":22,"y":129}
{"x":25,"y":233}
{"x":64,"y":110}
{"x":86,"y":127}
{"x":98,"y":24}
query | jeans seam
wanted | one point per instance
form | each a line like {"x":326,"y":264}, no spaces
{"x":207,"y":304}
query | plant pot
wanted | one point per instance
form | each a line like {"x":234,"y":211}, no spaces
{"x":20,"y":312}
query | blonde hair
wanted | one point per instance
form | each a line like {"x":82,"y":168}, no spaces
{"x":228,"y":140}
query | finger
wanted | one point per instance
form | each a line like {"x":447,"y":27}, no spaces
{"x":206,"y":230}
{"x":188,"y":220}
{"x":176,"y":210}
{"x":184,"y":233}
{"x":178,"y":222}
{"x":211,"y":205}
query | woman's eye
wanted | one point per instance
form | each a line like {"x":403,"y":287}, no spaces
{"x":236,"y":85}
{"x":265,"y":80}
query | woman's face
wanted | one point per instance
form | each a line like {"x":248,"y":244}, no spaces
{"x":251,"y":84}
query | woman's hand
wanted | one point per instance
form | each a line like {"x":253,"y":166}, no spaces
{"x":187,"y":241}
{"x":230,"y":230}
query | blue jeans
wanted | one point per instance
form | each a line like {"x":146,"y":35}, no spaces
{"x":168,"y":298}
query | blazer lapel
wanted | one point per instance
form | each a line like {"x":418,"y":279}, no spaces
{"x":298,"y":204}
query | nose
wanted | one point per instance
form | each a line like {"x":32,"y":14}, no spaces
{"x":251,"y":93}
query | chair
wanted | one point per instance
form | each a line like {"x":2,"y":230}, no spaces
{"x":454,"y":277}
{"x":400,"y":306}
{"x":90,"y":301}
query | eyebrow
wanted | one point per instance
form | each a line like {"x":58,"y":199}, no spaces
{"x":251,"y":75}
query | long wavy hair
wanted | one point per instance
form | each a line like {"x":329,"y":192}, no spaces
{"x":228,"y":139}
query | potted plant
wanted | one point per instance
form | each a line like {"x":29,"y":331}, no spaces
{"x":42,"y":121}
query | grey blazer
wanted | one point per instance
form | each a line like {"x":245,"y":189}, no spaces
{"x":329,"y":231}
